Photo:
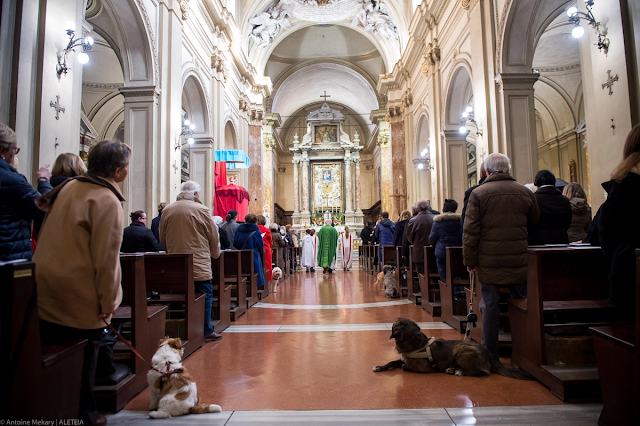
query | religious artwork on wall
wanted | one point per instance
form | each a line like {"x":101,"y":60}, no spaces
{"x":572,"y":171}
{"x":326,"y":134}
{"x":233,"y":180}
{"x":327,"y":186}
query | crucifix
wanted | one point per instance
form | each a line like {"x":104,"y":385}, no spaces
{"x":175,"y":167}
{"x":325,"y":96}
{"x":59,"y":108}
{"x":609,"y":82}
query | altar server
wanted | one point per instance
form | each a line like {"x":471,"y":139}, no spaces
{"x":346,"y":247}
{"x":309,"y":251}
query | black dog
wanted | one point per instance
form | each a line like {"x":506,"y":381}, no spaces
{"x":422,"y":354}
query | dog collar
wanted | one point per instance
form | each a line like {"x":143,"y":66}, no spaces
{"x":423,"y":353}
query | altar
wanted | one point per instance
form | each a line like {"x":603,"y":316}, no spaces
{"x":330,"y":164}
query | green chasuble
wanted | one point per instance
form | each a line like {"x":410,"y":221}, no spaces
{"x":327,"y":243}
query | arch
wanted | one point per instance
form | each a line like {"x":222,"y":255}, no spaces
{"x":230,"y":139}
{"x":194,"y":104}
{"x":459,"y":94}
{"x":191,"y":71}
{"x":422,"y":134}
{"x":129,"y":30}
{"x":520,"y":28}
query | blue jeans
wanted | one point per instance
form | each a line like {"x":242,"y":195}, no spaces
{"x":206,"y":288}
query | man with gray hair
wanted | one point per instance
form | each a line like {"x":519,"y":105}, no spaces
{"x":418,"y":230}
{"x":494,"y":241}
{"x":186,"y":226}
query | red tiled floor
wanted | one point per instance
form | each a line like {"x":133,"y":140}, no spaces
{"x":333,"y":370}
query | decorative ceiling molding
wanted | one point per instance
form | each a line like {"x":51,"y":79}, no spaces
{"x":102,"y":86}
{"x":560,"y":68}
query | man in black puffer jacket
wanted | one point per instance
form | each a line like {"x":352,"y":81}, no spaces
{"x":555,"y":212}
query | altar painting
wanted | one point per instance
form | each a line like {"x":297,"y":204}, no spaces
{"x":326,"y":134}
{"x":327,"y":186}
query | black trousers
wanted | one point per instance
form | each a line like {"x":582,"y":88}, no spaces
{"x":50,"y":333}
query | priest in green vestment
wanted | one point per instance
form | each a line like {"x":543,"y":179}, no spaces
{"x":327,"y":243}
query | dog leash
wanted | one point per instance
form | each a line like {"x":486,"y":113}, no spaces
{"x":472,"y":317}
{"x":126,"y":342}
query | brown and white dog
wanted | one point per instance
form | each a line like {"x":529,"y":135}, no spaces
{"x":421,"y":354}
{"x":390,"y":284}
{"x":173,"y":394}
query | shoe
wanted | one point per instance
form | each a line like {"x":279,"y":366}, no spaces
{"x":307,"y":270}
{"x":212,"y":337}
{"x":313,"y":269}
{"x":102,"y":420}
{"x":324,"y":270}
{"x":330,"y":271}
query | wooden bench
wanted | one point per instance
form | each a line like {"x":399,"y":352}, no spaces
{"x":402,"y":278}
{"x":233,"y":276}
{"x":147,"y":328}
{"x":504,"y":335}
{"x":221,"y":305}
{"x":246,"y":259}
{"x":377,"y":263}
{"x":46,"y":381}
{"x":566,"y":294}
{"x":454,"y":306}
{"x":171,"y":275}
{"x":413,"y":281}
{"x":429,"y":287}
{"x":365,"y":263}
{"x":618,"y":360}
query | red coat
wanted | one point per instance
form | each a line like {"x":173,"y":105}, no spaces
{"x":268,"y":242}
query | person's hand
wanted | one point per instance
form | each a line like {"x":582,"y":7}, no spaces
{"x":102,"y":316}
{"x":43,"y":172}
{"x":472,"y":269}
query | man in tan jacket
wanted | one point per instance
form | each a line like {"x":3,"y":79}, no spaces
{"x":186,"y":226}
{"x":494,"y":240}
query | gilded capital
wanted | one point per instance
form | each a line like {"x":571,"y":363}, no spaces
{"x":269,"y":142}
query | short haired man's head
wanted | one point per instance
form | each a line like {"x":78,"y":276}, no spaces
{"x":544,"y":177}
{"x":107,"y":157}
{"x":483,"y":169}
{"x":274,"y":227}
{"x":423,"y":205}
{"x":327,"y":221}
{"x":414,"y":208}
{"x":369,"y":223}
{"x":450,"y":206}
{"x":497,"y":163}
{"x":161,"y":207}
{"x":190,"y":187}
{"x":385,"y":215}
{"x":250,"y":218}
{"x":288,"y":227}
{"x":261,"y":220}
{"x":308,"y":231}
{"x":217,"y":220}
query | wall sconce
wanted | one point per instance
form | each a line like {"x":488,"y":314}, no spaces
{"x":423,"y":162}
{"x":578,"y":31}
{"x":83,"y":58}
{"x":188,"y":129}
{"x":467,"y":115}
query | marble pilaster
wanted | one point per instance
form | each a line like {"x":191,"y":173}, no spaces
{"x":255,"y":170}
{"x":456,"y":158}
{"x":347,"y":184}
{"x":398,"y":159}
{"x":386,"y":166}
{"x":296,"y":189}
{"x":268,"y":144}
{"x":357,"y":164}
{"x":305,"y":185}
{"x":202,"y":169}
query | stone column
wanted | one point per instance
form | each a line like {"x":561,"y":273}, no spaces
{"x":386,"y":166}
{"x":305,"y":185}
{"x":202,"y":169}
{"x":456,"y":159}
{"x":357,"y":163}
{"x":399,"y":167}
{"x":268,"y":143}
{"x":347,"y":184}
{"x":296,"y":189}
{"x":519,"y":141}
{"x":255,"y":170}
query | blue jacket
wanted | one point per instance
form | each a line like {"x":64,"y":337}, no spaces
{"x":445,"y":232}
{"x":384,"y":232}
{"x":17,"y":210}
{"x":254,"y":243}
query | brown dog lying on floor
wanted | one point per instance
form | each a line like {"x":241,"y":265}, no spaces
{"x":422,"y":354}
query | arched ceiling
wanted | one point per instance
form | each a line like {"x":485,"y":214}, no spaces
{"x":458,"y":98}
{"x":343,"y":84}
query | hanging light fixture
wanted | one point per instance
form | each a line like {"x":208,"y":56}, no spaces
{"x":188,"y":129}
{"x":575,"y":16}
{"x":467,"y":115}
{"x":423,"y":161}
{"x":83,"y":58}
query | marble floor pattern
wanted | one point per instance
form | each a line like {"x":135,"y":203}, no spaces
{"x":284,"y":360}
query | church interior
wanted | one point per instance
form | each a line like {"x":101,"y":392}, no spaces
{"x":303,"y":110}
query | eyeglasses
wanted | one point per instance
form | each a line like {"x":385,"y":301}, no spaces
{"x":16,"y":150}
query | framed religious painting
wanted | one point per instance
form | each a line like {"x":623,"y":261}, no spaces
{"x":326,"y":134}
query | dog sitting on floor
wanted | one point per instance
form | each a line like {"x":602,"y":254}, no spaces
{"x":380,"y":281}
{"x":276,"y":274}
{"x":390,"y":284}
{"x":421,"y":354}
{"x":173,"y":391}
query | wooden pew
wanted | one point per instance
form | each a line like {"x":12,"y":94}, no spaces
{"x":566,"y":294}
{"x":147,"y":328}
{"x":171,"y":275}
{"x":264,"y":293}
{"x":221,"y":306}
{"x":454,"y":311}
{"x":286,"y":271}
{"x":246,"y":259}
{"x":233,"y":276}
{"x":377,"y":263}
{"x":429,"y":287}
{"x":46,"y":381}
{"x":366,"y":253}
{"x":361,"y":257}
{"x":413,"y":281}
{"x":402,"y":278}
{"x":504,"y":336}
{"x":618,"y":361}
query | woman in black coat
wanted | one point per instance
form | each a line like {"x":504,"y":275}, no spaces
{"x":137,"y":238}
{"x":619,"y":227}
{"x":398,"y":234}
{"x":445,"y":232}
{"x":555,"y":212}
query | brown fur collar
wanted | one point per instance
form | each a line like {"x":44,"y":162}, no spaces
{"x":447,"y":216}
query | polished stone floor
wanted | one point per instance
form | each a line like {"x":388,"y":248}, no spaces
{"x":291,"y":353}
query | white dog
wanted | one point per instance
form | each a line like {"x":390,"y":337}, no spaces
{"x":276,"y":274}
{"x":173,"y":394}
